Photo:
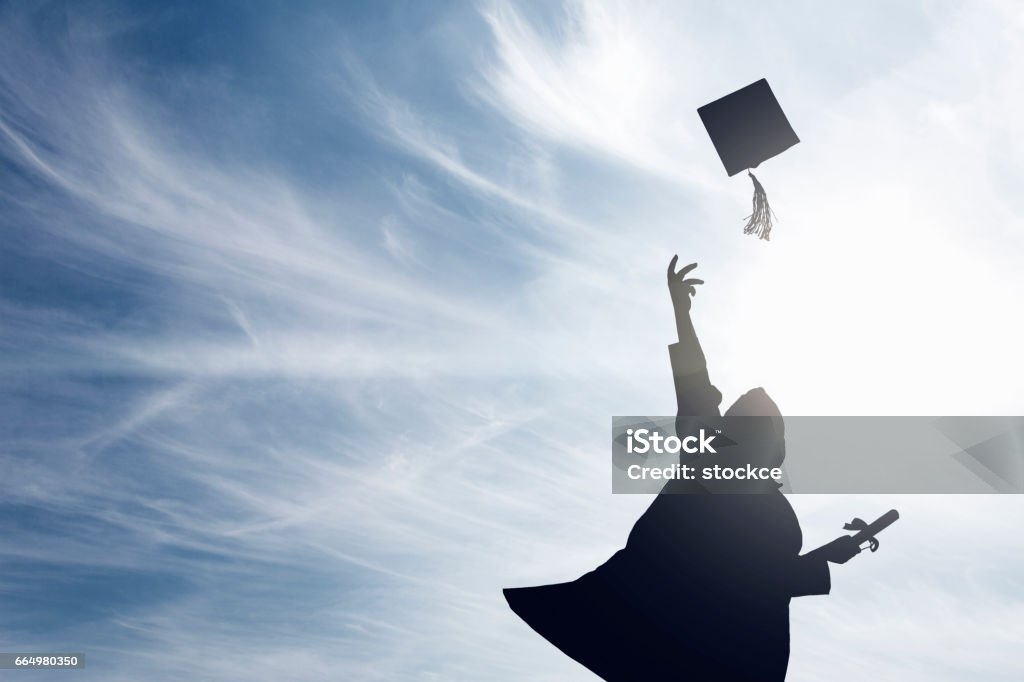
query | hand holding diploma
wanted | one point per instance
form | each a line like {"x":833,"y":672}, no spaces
{"x":839,"y":551}
{"x":845,"y":547}
{"x":869,"y":530}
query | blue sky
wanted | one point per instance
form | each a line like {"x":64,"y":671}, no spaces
{"x":314,"y":316}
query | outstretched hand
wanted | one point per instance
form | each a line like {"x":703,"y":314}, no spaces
{"x":680,"y":288}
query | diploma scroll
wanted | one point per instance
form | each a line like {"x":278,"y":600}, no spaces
{"x":867,"y":531}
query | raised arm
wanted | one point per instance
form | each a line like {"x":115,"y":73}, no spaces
{"x":695,"y":396}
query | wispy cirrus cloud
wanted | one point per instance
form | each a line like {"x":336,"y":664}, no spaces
{"x":611,"y":83}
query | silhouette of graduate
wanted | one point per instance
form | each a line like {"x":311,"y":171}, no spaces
{"x":701,"y":590}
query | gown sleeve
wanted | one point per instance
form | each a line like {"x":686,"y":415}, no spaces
{"x":695,"y":394}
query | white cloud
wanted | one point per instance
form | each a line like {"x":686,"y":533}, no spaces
{"x":611,"y":84}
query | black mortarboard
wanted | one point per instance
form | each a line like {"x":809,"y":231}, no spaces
{"x":748,"y":127}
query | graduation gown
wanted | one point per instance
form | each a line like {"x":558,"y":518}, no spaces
{"x":701,"y":590}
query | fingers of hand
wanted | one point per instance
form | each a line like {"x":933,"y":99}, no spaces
{"x":686,"y":269}
{"x":682,"y":273}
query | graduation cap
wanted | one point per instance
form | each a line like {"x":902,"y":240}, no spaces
{"x":748,"y":127}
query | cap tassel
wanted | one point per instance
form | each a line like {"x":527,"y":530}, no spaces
{"x":759,"y":221}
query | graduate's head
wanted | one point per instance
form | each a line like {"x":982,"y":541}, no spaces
{"x":763,"y":422}
{"x":754,"y":403}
